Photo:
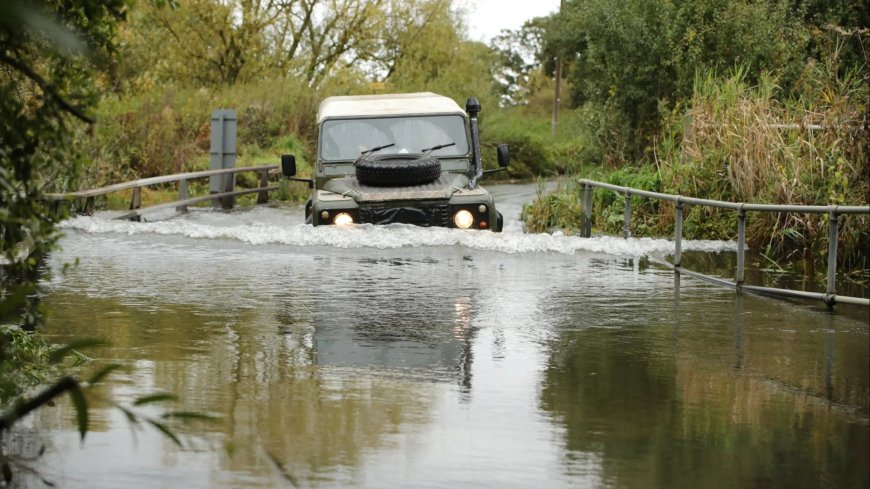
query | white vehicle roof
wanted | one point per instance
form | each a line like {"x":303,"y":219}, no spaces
{"x":387,"y":105}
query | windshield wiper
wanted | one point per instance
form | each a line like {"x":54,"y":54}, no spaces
{"x":376,"y":148}
{"x":433,"y":148}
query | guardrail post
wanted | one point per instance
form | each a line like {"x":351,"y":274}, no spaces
{"x":833,"y":231}
{"x":626,"y":218}
{"x":678,"y":234}
{"x":587,"y":210}
{"x":741,"y":245}
{"x":263,"y":196}
{"x":182,"y":195}
{"x":89,"y":207}
{"x":136,"y":200}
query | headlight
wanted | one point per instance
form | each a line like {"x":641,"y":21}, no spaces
{"x":342,"y":219}
{"x":463,"y":219}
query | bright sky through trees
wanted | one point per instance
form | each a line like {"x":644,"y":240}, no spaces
{"x":487,"y":17}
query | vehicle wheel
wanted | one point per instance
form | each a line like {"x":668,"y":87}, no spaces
{"x":397,"y":170}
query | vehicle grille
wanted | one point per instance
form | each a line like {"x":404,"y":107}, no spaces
{"x":427,"y":215}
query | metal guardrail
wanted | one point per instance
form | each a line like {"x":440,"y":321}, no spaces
{"x":136,"y":209}
{"x":830,"y":296}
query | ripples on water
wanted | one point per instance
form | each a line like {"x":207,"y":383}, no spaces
{"x":404,"y":356}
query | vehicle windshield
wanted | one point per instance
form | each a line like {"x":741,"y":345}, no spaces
{"x":346,"y":139}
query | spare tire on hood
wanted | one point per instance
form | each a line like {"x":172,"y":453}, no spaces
{"x":397,"y":170}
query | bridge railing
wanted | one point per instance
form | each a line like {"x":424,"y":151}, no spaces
{"x":184,"y":200}
{"x":830,"y":296}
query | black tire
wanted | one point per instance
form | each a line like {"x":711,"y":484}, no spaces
{"x":397,"y":170}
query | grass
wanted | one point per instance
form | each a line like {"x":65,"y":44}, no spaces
{"x":743,"y":143}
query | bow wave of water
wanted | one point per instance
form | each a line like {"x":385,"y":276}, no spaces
{"x":265,"y":225}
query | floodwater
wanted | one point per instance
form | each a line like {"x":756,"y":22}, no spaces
{"x":408,"y":357}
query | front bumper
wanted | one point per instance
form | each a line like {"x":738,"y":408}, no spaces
{"x":435,"y":204}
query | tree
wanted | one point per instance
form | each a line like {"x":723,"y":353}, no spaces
{"x":45,"y":88}
{"x":630,"y":57}
{"x":519,"y":54}
{"x":423,"y":48}
{"x":50,"y":54}
{"x":210,"y":42}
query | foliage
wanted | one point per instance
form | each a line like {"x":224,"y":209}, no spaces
{"x":747,"y":143}
{"x":44,"y":90}
{"x":50,"y":54}
{"x":168,"y":130}
{"x":744,"y":143}
{"x":415,"y":44}
{"x":630,"y":58}
{"x":531,"y":154}
{"x":519,"y":54}
{"x":559,"y":210}
{"x":207,"y":42}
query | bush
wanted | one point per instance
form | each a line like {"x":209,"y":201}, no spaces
{"x":558,"y":210}
{"x":168,"y":131}
{"x":747,"y":143}
{"x":528,"y":138}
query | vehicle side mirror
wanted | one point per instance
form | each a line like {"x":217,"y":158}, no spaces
{"x":288,"y":165}
{"x":503,"y":155}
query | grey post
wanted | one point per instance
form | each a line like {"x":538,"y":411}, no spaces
{"x":223,"y":154}
{"x":263,"y":197}
{"x":741,"y":245}
{"x":833,"y":230}
{"x":678,"y":235}
{"x":587,"y":210}
{"x":182,"y":195}
{"x":583,"y":218}
{"x":626,"y":219}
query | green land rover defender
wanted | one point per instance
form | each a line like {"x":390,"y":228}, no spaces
{"x":406,"y":158}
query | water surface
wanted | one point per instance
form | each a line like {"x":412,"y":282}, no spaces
{"x":402,"y":356}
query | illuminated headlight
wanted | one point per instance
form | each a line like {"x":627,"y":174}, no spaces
{"x":463,"y":219}
{"x":342,"y":219}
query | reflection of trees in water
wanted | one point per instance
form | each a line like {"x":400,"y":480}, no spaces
{"x":310,"y":377}
{"x":725,"y":398}
{"x":259,"y":377}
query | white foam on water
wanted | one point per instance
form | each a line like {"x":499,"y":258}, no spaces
{"x":264,"y":226}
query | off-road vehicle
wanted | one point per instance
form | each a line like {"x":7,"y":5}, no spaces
{"x":407,"y":158}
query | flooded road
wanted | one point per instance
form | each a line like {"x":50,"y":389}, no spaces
{"x":408,"y":357}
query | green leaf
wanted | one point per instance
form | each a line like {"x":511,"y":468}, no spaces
{"x":58,"y":354}
{"x":165,"y":430}
{"x":152,"y":398}
{"x":131,"y":416}
{"x":81,"y":405}
{"x":189,"y":415}
{"x":102,"y":373}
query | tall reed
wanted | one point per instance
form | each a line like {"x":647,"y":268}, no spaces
{"x":747,"y":143}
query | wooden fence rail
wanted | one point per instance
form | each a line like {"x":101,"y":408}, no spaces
{"x":136,"y":209}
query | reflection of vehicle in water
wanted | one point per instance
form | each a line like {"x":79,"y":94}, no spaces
{"x":393,"y":321}
{"x":435,"y":348}
{"x":409,"y":158}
